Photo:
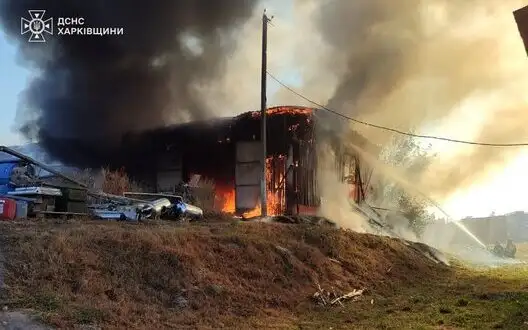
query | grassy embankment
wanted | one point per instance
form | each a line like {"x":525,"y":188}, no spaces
{"x":245,"y":276}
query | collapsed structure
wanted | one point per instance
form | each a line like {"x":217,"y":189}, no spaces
{"x":228,"y":152}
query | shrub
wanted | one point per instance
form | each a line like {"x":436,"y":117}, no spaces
{"x":117,"y":182}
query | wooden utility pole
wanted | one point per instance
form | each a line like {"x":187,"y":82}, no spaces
{"x":263,"y":191}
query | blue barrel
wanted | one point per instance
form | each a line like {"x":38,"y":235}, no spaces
{"x":5,"y":172}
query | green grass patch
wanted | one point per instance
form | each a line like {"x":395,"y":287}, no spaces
{"x":467,"y":299}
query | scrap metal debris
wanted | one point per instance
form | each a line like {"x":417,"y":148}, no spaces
{"x":23,"y":187}
{"x":142,"y":207}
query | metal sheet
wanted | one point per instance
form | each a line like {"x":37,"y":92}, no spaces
{"x":167,"y":180}
{"x":248,"y":174}
{"x":247,"y":197}
{"x":193,"y":210}
{"x":248,"y":151}
{"x":43,"y":191}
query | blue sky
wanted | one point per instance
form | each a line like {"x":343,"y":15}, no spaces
{"x":13,"y":79}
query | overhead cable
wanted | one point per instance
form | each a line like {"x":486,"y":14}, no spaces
{"x":390,"y":129}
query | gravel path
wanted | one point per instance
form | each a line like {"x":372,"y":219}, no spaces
{"x":17,"y":320}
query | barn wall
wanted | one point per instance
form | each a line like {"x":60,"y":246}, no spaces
{"x":209,"y":149}
{"x":169,"y":170}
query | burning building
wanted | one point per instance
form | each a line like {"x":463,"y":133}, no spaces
{"x":228,"y":151}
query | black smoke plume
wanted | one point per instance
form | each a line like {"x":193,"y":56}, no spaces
{"x":86,"y":92}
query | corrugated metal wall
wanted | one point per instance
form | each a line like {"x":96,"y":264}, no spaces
{"x":276,"y":184}
{"x":306,"y":174}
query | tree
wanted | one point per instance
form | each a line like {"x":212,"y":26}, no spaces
{"x":407,"y":207}
{"x":414,"y":210}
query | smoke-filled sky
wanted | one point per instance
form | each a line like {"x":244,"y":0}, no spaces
{"x":455,"y":68}
{"x":97,"y":88}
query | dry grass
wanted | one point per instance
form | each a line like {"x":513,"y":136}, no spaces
{"x":245,"y":276}
{"x":109,"y":181}
{"x":238,"y":275}
{"x":117,"y":182}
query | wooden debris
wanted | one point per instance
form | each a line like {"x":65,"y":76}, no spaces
{"x":335,"y":261}
{"x":320,"y":295}
{"x":354,"y":295}
{"x":325,"y":298}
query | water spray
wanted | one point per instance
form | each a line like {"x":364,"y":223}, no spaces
{"x":457,"y":223}
{"x":417,"y":191}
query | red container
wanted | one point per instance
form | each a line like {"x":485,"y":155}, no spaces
{"x":7,"y":209}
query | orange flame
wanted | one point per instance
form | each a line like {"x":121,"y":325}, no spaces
{"x":285,"y":110}
{"x":275,"y":197}
{"x":225,"y":199}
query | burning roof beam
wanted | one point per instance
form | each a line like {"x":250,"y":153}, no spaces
{"x":281,"y":110}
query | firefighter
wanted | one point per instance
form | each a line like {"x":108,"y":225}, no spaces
{"x":510,"y":249}
{"x":498,"y":250}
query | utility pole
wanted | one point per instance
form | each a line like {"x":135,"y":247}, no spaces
{"x":263,"y":138}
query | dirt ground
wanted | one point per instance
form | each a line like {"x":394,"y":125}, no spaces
{"x":244,"y":276}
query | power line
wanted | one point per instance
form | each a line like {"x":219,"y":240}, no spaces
{"x":384,"y":209}
{"x":393,"y":129}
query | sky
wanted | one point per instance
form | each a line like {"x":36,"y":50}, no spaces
{"x":13,"y":79}
{"x":502,"y":193}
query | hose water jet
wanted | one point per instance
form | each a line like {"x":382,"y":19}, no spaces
{"x":400,"y":179}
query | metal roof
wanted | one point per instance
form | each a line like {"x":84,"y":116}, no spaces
{"x":35,"y":151}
